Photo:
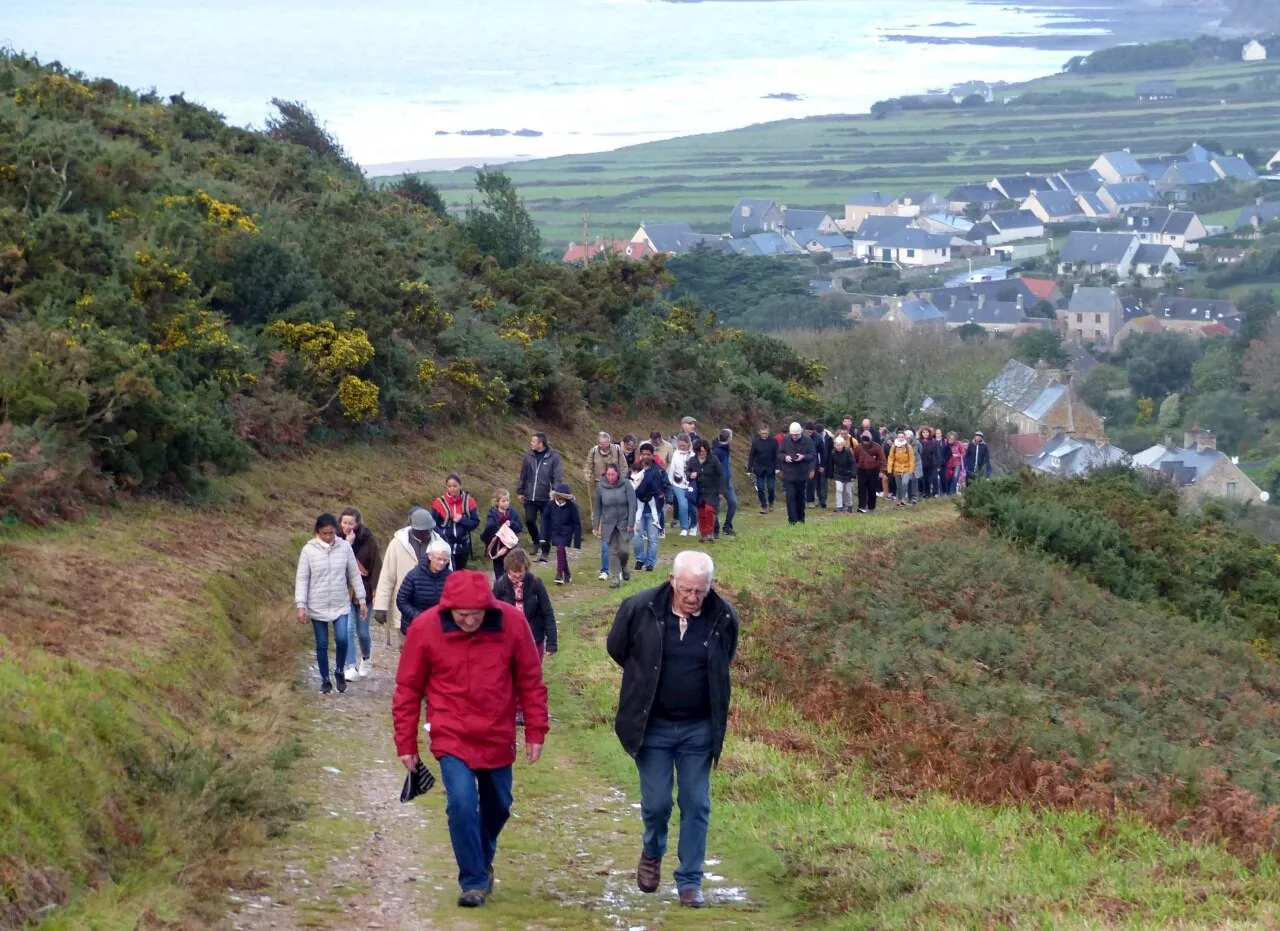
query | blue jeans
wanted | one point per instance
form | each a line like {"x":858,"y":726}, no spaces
{"x":604,"y":554}
{"x":730,"y":496}
{"x":766,"y":488}
{"x":646,"y":542}
{"x":341,"y":636}
{"x":363,"y":634}
{"x":682,"y":750}
{"x":478,"y":803}
{"x":684,"y":508}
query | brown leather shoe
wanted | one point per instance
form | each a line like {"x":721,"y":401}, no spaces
{"x":692,"y":898}
{"x":648,"y":873}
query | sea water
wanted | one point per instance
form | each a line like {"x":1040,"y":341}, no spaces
{"x":388,"y":77}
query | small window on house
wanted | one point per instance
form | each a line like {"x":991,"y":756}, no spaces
{"x":1231,"y":489}
{"x":1097,"y":334}
{"x":1079,"y":318}
{"x":1097,"y":318}
{"x":911,"y":253}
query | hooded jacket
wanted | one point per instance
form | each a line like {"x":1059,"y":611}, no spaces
{"x":614,"y":508}
{"x":763,"y":457}
{"x":843,"y":464}
{"x":420,"y":591}
{"x":870,"y":457}
{"x":538,"y":610}
{"x":797,"y":446}
{"x":901,"y":460}
{"x":562,"y":526}
{"x":398,"y":561}
{"x":635,"y":644}
{"x":369,"y":559}
{"x":470,"y":681}
{"x":540,"y":474}
{"x":326,"y":579}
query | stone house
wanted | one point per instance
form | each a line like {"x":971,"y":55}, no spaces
{"x":1094,"y":315}
{"x":1041,"y":401}
{"x":1199,"y":469}
{"x":861,"y":206}
{"x":752,"y":215}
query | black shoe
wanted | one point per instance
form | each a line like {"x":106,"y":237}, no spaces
{"x":326,"y":687}
{"x":543,"y":558}
{"x":730,"y":532}
{"x":342,"y":683}
{"x":472,"y":898}
{"x":823,"y":505}
{"x":559,"y":578}
{"x":626,"y":573}
{"x":648,"y":568}
{"x":862,"y":510}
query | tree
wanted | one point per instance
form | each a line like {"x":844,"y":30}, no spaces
{"x":972,"y":333}
{"x":1043,"y":309}
{"x":297,"y":124}
{"x":1260,"y":367}
{"x":1170,"y":413}
{"x":974,"y":211}
{"x":1217,"y":370}
{"x":500,"y":225}
{"x":1040,"y":346}
{"x":1159,"y":363}
{"x":424,"y":193}
{"x":1237,"y":427}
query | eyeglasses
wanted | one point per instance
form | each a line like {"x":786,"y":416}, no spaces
{"x":692,"y":591}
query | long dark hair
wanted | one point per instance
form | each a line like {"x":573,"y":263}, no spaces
{"x":326,"y":520}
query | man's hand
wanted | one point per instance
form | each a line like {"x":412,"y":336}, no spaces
{"x":410,"y":761}
{"x":302,"y":615}
{"x":521,"y":497}
{"x":631,"y":531}
{"x":595,"y":531}
{"x":532,"y":753}
{"x":380,"y":616}
{"x":364,"y":611}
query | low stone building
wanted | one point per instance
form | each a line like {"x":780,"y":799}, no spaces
{"x":1199,"y":469}
{"x":1041,"y":400}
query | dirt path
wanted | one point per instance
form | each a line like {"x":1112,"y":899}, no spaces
{"x":362,"y":859}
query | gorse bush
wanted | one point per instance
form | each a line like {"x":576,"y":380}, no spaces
{"x":1132,"y":536}
{"x":176,"y":293}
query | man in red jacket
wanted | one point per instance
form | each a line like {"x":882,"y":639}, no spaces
{"x":470,"y":657}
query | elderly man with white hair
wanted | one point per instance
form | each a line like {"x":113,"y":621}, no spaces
{"x":799,"y":460}
{"x":674,"y":644}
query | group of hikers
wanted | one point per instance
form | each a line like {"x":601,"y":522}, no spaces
{"x":472,"y":651}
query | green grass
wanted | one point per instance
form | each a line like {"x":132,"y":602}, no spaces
{"x":820,"y":161}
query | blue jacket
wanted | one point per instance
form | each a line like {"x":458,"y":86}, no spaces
{"x":653,"y":485}
{"x":420,"y":591}
{"x":721,"y":451}
{"x":562,"y":526}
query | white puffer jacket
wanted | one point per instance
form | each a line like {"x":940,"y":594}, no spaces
{"x":327,"y":576}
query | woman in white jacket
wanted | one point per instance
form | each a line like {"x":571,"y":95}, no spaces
{"x":327,"y":583}
{"x":681,"y":487}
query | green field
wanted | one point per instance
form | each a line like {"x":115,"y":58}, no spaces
{"x":818,"y":162}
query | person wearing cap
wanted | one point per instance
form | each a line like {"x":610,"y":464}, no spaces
{"x":422,"y":588}
{"x":471,"y":658}
{"x":871,"y":466}
{"x":561,"y":528}
{"x":798,"y":463}
{"x":405,"y":552}
{"x":540,"y":472}
{"x":977,"y":458}
{"x":689,"y":427}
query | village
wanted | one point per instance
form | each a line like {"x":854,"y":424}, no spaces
{"x":1092,"y":253}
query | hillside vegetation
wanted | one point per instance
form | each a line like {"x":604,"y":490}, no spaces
{"x":178,"y":295}
{"x":1063,"y":121}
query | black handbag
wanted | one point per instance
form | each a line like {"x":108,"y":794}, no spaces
{"x":418,"y":782}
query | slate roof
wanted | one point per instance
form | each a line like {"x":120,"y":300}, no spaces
{"x":973,"y":193}
{"x":670,"y":237}
{"x":913,"y":238}
{"x":1197,"y":153}
{"x":796,"y":219}
{"x":1189,"y":174}
{"x":1150,"y":253}
{"x":1066,"y":456}
{"x":1184,"y":465}
{"x":1006,"y":220}
{"x":1093,"y":202}
{"x":1059,"y":203}
{"x":710,"y":241}
{"x":1131,"y":193}
{"x":1019,"y":187}
{"x":980,"y":232}
{"x":874,"y":199}
{"x":1124,"y":163}
{"x":1096,"y":248}
{"x":1265,"y":212}
{"x":1094,"y":300}
{"x":745,"y":226}
{"x":990,"y":313}
{"x":1193,"y":308}
{"x":1160,"y":220}
{"x":1078,"y":182}
{"x":1026,"y":390}
{"x":1235,"y":168}
{"x":873,"y":229}
{"x":773,"y":244}
{"x":1157,"y":165}
{"x":825,"y":240}
{"x":918,"y":311}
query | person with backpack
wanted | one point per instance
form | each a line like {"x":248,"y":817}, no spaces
{"x":562,"y":527}
{"x":762,"y":463}
{"x":457,"y":515}
{"x":651,"y":498}
{"x":497,"y":541}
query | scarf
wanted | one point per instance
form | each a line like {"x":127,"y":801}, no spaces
{"x":518,"y":589}
{"x":453,"y":505}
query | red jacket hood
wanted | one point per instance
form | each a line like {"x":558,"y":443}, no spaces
{"x":467,"y":589}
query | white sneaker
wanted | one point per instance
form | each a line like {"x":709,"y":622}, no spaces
{"x":352,"y":672}
{"x":604,"y":577}
{"x":365,"y":666}
{"x":684,"y":533}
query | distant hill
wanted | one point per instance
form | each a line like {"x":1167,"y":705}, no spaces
{"x":1254,"y":14}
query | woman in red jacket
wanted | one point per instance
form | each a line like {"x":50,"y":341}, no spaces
{"x":470,"y":657}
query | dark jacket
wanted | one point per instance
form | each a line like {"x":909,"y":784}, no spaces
{"x":931,"y":455}
{"x":977,"y":460}
{"x":537,"y":608}
{"x":493,"y":522}
{"x":721,"y":451}
{"x":843,"y":465}
{"x":823,"y":447}
{"x":420,"y":591}
{"x":369,"y":558}
{"x":653,"y":485}
{"x":797,"y":471}
{"x":457,"y":533}
{"x":539,"y":476}
{"x":870,"y":457}
{"x":562,"y":526}
{"x":709,"y":477}
{"x":763,"y":457}
{"x":635,"y":644}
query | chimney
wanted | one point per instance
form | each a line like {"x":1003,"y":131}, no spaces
{"x":982,"y":299}
{"x":1020,"y":302}
{"x":1168,"y":441}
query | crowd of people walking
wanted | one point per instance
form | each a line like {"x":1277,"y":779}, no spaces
{"x":472,"y":650}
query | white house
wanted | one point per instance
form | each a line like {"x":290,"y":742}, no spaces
{"x":1254,"y":51}
{"x":912,"y":248}
{"x":1181,"y":229}
{"x":1119,"y":168}
{"x":1274,"y":164}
